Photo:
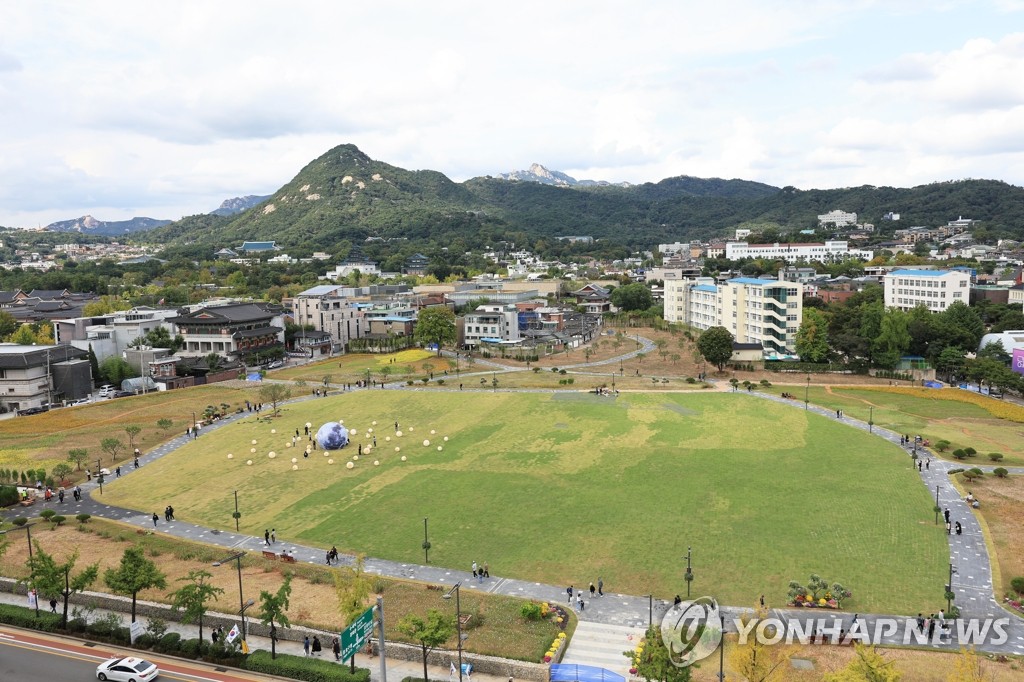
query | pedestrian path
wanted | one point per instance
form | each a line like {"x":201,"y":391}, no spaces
{"x":603,"y":645}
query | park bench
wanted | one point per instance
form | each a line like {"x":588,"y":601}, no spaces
{"x":269,"y":555}
{"x":287,"y":558}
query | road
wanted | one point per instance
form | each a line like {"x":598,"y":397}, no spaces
{"x":30,"y":657}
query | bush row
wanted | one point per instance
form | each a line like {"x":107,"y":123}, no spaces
{"x":301,"y":668}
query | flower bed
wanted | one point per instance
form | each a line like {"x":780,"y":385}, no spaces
{"x":810,"y":603}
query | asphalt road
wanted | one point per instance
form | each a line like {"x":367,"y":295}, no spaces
{"x":31,"y":657}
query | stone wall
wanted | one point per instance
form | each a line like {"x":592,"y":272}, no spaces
{"x":491,"y":665}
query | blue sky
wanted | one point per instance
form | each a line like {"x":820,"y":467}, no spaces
{"x":117,"y":109}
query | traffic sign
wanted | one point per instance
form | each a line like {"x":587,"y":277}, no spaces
{"x":355,"y":635}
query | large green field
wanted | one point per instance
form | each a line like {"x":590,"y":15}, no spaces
{"x":563,"y":488}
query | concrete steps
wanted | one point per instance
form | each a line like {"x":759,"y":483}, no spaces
{"x":602,"y":645}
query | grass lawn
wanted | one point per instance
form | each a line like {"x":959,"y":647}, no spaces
{"x":350,"y":368}
{"x":497,"y":628}
{"x":43,"y":440}
{"x":568,"y":487}
{"x":934,"y":414}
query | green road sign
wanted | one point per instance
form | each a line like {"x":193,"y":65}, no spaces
{"x":355,"y":635}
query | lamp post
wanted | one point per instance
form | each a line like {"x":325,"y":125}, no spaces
{"x":237,"y":515}
{"x":689,"y":572}
{"x":721,"y":650}
{"x":949,"y":589}
{"x":458,"y":619}
{"x":28,"y":535}
{"x":99,"y":475}
{"x":871,"y":418}
{"x":650,"y":610}
{"x":937,"y":508}
{"x":807,"y":392}
{"x":193,"y":424}
{"x":426,"y":543}
{"x":237,"y":558}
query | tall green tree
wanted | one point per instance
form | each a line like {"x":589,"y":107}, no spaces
{"x":995,"y":351}
{"x":116,"y":369}
{"x":8,"y":324}
{"x":52,"y":579}
{"x":272,"y":610}
{"x":867,"y":666}
{"x":435,"y":325}
{"x":951,"y":362}
{"x":78,"y":456}
{"x":275,"y":394}
{"x":132,"y":430}
{"x":812,"y":337}
{"x":961,"y":316}
{"x":429,"y":634}
{"x":715,"y":346}
{"x":192,"y":597}
{"x":632,"y":297}
{"x":892,"y":340}
{"x":112,"y":446}
{"x":134,"y":574}
{"x":655,"y":663}
{"x":94,"y":364}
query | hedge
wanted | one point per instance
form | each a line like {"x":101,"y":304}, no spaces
{"x":302,"y":668}
{"x":8,"y":495}
{"x":24,"y":617}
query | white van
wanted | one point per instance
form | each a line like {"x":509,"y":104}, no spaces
{"x":106,"y":390}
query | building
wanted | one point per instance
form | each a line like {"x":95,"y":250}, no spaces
{"x":838,"y":218}
{"x":355,"y":261}
{"x":234,"y":331}
{"x":330,"y":308}
{"x":490,"y":324}
{"x":416,"y":264}
{"x":110,"y":335}
{"x":934,"y":289}
{"x":594,"y":299}
{"x":257,"y":247}
{"x":827,"y":252}
{"x":41,"y":376}
{"x":762,"y":311}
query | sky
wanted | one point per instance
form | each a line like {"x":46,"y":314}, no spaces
{"x":121,"y":109}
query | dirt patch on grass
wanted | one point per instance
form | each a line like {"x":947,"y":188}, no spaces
{"x":1002,"y":508}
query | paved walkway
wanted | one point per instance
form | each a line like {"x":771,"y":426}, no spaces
{"x":972,"y":581}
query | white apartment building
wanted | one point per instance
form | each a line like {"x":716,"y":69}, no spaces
{"x":109,"y":335}
{"x":492,"y":323}
{"x":763,"y":311}
{"x":934,"y":289}
{"x":329,"y":308}
{"x":838,"y":218}
{"x":828,"y":252}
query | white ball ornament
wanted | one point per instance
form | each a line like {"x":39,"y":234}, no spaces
{"x":294,"y":460}
{"x":254,"y":441}
{"x":398,"y":434}
{"x":446,"y":439}
{"x":271,"y":455}
{"x":353,"y":432}
{"x":252,"y":449}
{"x":398,"y":449}
{"x":248,"y":462}
{"x":374,"y":423}
{"x":349,"y":465}
{"x":230,"y":456}
{"x":432,"y":432}
{"x":376,"y":463}
{"x":387,"y":438}
{"x":273,"y":430}
{"x":355,"y":458}
{"x":411,"y":429}
{"x":426,"y":443}
{"x":440,"y":448}
{"x":403,"y":458}
{"x":330,"y":461}
{"x":287,"y":445}
{"x":295,"y":467}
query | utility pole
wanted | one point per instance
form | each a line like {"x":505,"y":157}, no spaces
{"x":382,"y":652}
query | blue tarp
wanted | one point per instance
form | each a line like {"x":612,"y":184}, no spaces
{"x":933,"y":384}
{"x":254,"y":376}
{"x":566,"y":672}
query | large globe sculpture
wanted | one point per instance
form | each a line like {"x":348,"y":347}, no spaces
{"x":332,"y":436}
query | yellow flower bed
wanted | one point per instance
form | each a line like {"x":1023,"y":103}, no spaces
{"x":408,"y":355}
{"x":997,"y":408}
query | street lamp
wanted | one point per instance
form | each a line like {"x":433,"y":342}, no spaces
{"x":458,"y":619}
{"x":949,"y":589}
{"x":871,"y":418}
{"x":937,"y":507}
{"x":807,"y":392}
{"x":237,"y":558}
{"x":28,"y":535}
{"x":193,"y":424}
{"x":689,"y":572}
{"x":426,"y":543}
{"x":237,"y":514}
{"x":99,"y":475}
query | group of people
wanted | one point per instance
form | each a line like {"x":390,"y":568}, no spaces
{"x":218,"y":634}
{"x":595,"y":591}
{"x":929,"y":624}
{"x":313,"y":646}
{"x":479,"y":572}
{"x":269,"y":536}
{"x":168,"y":513}
{"x":332,"y":556}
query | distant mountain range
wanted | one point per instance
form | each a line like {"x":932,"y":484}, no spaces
{"x":538,"y":173}
{"x":115,"y":228}
{"x":239,"y":204}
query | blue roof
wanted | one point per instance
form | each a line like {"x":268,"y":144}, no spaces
{"x":257,"y":246}
{"x":320,"y":290}
{"x":393,"y":318}
{"x":751,"y":280}
{"x":921,"y":273}
{"x":705,"y":287}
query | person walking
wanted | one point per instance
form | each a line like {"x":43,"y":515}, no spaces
{"x":593,"y":590}
{"x":946,"y":514}
{"x":579,"y":600}
{"x":316,"y":646}
{"x":927,"y":463}
{"x":336,"y":648}
{"x":600,"y":586}
{"x":569,"y":592}
{"x":266,"y":537}
{"x":305,"y":645}
{"x":762,"y":601}
{"x":155,"y":519}
{"x":273,"y":535}
{"x":948,"y":528}
{"x":487,"y":570}
{"x":474,"y":569}
{"x":959,"y":528}
{"x":53,"y":606}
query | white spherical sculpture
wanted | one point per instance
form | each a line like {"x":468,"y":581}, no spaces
{"x":376,"y":463}
{"x":410,"y":429}
{"x":327,"y":454}
{"x":387,"y":438}
{"x":295,"y":467}
{"x":398,"y":449}
{"x":440,"y":448}
{"x":271,"y":455}
{"x":248,"y":462}
{"x":403,"y":458}
{"x":287,"y":445}
{"x":254,"y":441}
{"x":330,"y":461}
{"x":398,"y":434}
{"x":432,"y":432}
{"x":355,"y":458}
{"x":370,"y":430}
{"x":230,"y":456}
{"x":252,"y":450}
{"x":294,"y":460}
{"x":374,"y":423}
{"x":349,"y":465}
{"x":426,"y":443}
{"x":273,"y":430}
{"x":446,"y":439}
{"x":352,"y":431}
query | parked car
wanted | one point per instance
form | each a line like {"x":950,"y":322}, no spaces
{"x":121,"y":394}
{"x":275,"y":364}
{"x":106,"y":390}
{"x":130,"y":668}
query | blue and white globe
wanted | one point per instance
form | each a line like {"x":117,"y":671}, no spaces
{"x":332,"y":436}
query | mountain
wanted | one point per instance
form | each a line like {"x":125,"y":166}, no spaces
{"x":239,"y":204}
{"x":89,"y":225}
{"x":345,"y":197}
{"x":538,"y":173}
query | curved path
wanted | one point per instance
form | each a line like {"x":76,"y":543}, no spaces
{"x":969,"y":555}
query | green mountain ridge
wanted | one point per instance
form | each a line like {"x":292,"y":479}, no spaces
{"x":344,"y":195}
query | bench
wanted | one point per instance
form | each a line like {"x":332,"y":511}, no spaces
{"x":269,"y":555}
{"x":28,"y":503}
{"x":287,"y":558}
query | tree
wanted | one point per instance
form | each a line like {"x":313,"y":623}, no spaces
{"x":951,"y":362}
{"x":51,"y":579}
{"x":272,"y":610}
{"x":967,"y":667}
{"x":892,"y":340}
{"x":352,"y":587}
{"x":8,"y":324}
{"x":755,"y":660}
{"x":94,"y":364}
{"x":435,"y":325}
{"x":812,"y":337}
{"x":655,"y":663}
{"x":135,"y":573}
{"x":112,"y":446}
{"x":715,"y":345}
{"x":994,"y":350}
{"x":61,"y":471}
{"x":429,"y":634}
{"x":275,"y":394}
{"x":961,"y":316}
{"x":77,"y":456}
{"x":115,"y":370}
{"x":164,"y":423}
{"x":632,"y":297}
{"x":132,"y":430}
{"x":191,"y":598}
{"x":24,"y":336}
{"x":867,"y":666}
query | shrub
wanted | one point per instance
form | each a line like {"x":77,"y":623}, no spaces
{"x":1018,"y":584}
{"x":379,"y":585}
{"x":301,"y":668}
{"x":58,"y":519}
{"x":440,"y":382}
{"x":144,"y":642}
{"x":530,"y":611}
{"x":561,"y":371}
{"x":971,"y":452}
{"x":156,"y":628}
{"x":20,"y":521}
{"x":955,"y":471}
{"x":194,"y":648}
{"x":169,"y":643}
{"x":942,"y":445}
{"x":23,"y":617}
{"x":959,"y":454}
{"x":691,"y":380}
{"x":409,"y":382}
{"x":995,"y":456}
{"x":47,"y":514}
{"x":83,"y":518}
{"x":8,"y":495}
{"x":1000,"y":472}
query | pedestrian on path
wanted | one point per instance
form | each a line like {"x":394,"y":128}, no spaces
{"x":155,"y":519}
{"x":927,"y":462}
{"x":273,"y":535}
{"x":579,"y":600}
{"x":316,"y":646}
{"x":600,"y":586}
{"x":919,"y":463}
{"x":53,"y":606}
{"x":305,"y":645}
{"x":593,"y":590}
{"x":959,"y":528}
{"x":266,"y":537}
{"x":487,"y":570}
{"x":762,"y":601}
{"x":118,"y":472}
{"x":336,"y":648}
{"x":946,"y":514}
{"x":474,"y":569}
{"x":568,"y":591}
{"x":948,"y":527}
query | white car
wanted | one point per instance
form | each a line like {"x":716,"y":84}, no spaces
{"x":129,"y":669}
